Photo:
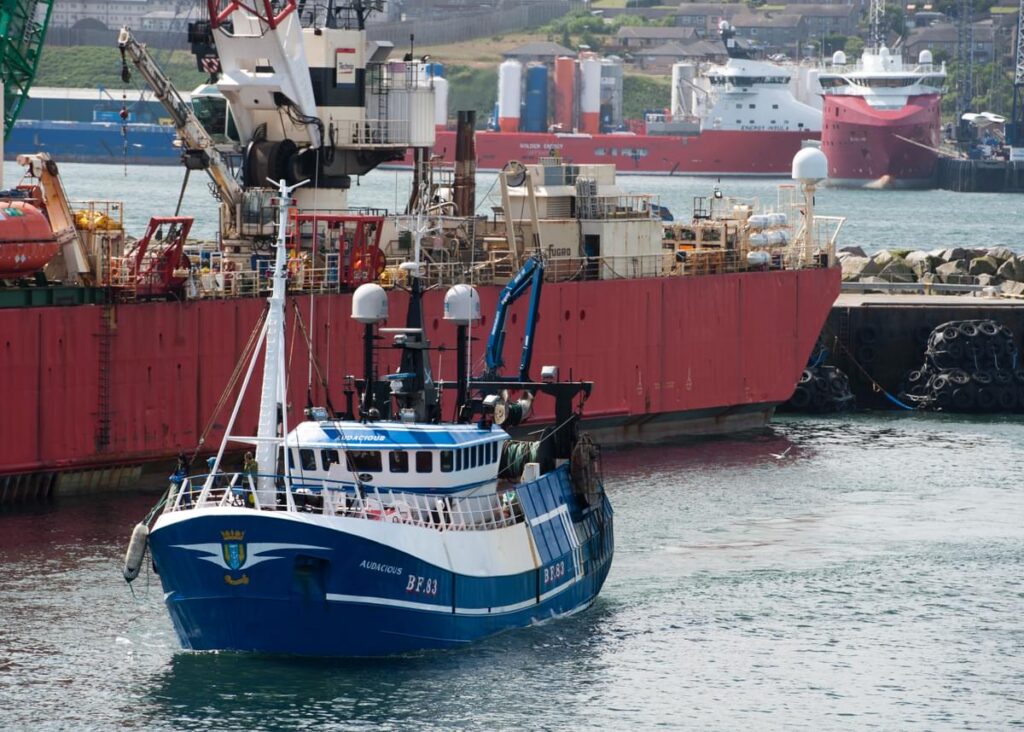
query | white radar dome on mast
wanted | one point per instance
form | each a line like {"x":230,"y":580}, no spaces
{"x":810,"y":165}
{"x":462,"y":305}
{"x":370,"y":304}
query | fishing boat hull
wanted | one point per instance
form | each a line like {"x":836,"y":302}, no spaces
{"x":288,"y":582}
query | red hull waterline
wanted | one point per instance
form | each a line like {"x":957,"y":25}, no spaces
{"x":712,"y":152}
{"x":96,"y":387}
{"x":879,"y":147}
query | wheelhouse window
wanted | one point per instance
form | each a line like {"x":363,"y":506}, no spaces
{"x":424,"y":461}
{"x":329,"y":458}
{"x":447,"y":461}
{"x":398,"y":461}
{"x":307,"y":459}
{"x":364,"y":461}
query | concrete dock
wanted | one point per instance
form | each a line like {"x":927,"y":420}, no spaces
{"x":879,"y":338}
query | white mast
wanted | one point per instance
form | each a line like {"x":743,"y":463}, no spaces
{"x":273,"y":394}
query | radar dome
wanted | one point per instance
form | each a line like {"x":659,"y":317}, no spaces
{"x":462,"y":305}
{"x":839,"y":58}
{"x":925,"y":57}
{"x":810,"y":165}
{"x":723,"y":25}
{"x":370,"y":304}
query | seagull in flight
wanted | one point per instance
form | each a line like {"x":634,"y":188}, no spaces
{"x":781,"y":455}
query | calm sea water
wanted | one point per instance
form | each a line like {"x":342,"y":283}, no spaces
{"x":873,"y":577}
{"x":875,"y":219}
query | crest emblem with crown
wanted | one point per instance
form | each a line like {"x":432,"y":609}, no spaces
{"x":233,"y":548}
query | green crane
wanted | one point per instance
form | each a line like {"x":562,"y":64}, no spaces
{"x":22,"y":30}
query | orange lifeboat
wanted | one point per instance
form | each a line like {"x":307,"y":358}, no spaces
{"x":26,"y":240}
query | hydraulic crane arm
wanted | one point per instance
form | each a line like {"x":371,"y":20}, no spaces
{"x":531,"y":276}
{"x":190,"y":130}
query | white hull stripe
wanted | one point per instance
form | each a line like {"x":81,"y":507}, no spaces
{"x":560,"y":510}
{"x":409,"y":605}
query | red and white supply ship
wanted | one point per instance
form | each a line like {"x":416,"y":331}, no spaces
{"x":740,"y":118}
{"x":881,"y":119}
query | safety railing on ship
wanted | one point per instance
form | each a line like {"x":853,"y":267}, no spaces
{"x":498,"y":267}
{"x":444,"y":267}
{"x":334,"y":498}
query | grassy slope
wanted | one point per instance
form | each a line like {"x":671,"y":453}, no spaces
{"x":92,"y":66}
{"x":472,"y":70}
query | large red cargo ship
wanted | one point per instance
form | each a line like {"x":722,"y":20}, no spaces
{"x":687,"y":328}
{"x":91,"y":387}
{"x":882,"y":120}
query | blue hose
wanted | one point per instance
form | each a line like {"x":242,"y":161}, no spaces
{"x":896,"y":401}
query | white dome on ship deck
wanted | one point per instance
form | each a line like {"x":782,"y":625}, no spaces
{"x":810,"y":165}
{"x":925,"y":57}
{"x":370,"y":304}
{"x":462,"y":305}
{"x":839,"y":58}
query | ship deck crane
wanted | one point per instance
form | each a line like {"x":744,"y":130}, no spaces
{"x":200,"y":149}
{"x":531,"y":277}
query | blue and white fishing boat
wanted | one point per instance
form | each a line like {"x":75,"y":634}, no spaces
{"x":385,"y":531}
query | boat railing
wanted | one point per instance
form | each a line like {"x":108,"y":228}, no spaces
{"x":680,"y":260}
{"x":336,"y":498}
{"x":366,"y":133}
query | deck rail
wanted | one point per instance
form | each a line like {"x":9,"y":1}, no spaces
{"x":336,"y":498}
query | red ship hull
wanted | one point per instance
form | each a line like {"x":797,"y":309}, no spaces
{"x":92,"y":387}
{"x":712,"y":152}
{"x":884,"y":147}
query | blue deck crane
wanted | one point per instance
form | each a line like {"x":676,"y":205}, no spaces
{"x":531,"y":277}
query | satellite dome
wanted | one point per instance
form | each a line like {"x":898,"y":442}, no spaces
{"x":810,"y":165}
{"x":839,"y":58}
{"x":462,"y":305}
{"x":925,"y":57}
{"x":370,"y":304}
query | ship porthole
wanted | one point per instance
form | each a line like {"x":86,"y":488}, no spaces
{"x":583,"y":314}
{"x":567,"y":314}
{"x":515,"y":317}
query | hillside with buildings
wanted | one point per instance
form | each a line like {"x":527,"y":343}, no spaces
{"x":473,"y":37}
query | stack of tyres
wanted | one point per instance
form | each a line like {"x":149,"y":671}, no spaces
{"x":821,"y":389}
{"x":969,"y":366}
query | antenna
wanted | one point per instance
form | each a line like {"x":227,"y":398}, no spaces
{"x":964,"y":61}
{"x":876,"y":19}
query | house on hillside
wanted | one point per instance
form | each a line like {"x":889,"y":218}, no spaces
{"x":773,"y":32}
{"x":942,"y":37}
{"x":541,"y":51}
{"x":825,"y":20}
{"x":661,"y":58}
{"x":705,"y":17}
{"x":632,"y":38}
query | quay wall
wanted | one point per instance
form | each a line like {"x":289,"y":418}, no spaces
{"x":880,"y":338}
